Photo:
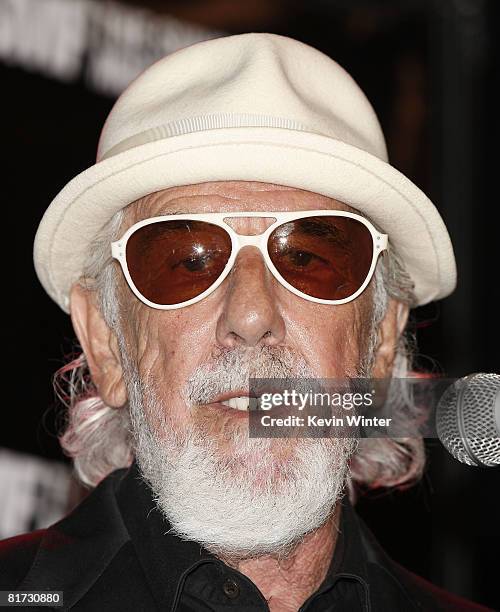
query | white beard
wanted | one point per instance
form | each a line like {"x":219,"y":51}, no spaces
{"x":248,"y":502}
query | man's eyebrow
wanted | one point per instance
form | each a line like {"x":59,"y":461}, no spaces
{"x":163,"y":212}
{"x":320,"y":227}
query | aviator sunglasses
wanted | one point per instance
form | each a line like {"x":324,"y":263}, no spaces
{"x":173,"y":261}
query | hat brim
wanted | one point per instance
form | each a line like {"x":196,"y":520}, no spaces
{"x":291,"y":158}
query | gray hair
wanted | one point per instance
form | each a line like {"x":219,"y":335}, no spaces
{"x":98,"y":438}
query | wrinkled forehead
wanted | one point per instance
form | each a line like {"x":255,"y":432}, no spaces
{"x":228,"y":196}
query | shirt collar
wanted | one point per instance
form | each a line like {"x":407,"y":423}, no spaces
{"x":163,"y":556}
{"x":348,"y":565}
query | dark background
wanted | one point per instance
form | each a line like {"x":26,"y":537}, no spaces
{"x":430,"y":70}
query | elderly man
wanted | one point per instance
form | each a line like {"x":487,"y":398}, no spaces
{"x":241,"y":221}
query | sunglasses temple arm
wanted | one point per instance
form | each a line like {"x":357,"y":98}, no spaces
{"x":383,"y":242}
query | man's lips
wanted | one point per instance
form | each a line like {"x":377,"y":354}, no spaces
{"x":240,"y":399}
{"x":233,"y":400}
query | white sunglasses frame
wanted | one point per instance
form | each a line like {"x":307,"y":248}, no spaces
{"x":238,"y":241}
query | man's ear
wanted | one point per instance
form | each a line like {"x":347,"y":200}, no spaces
{"x":390,"y":329}
{"x":100,"y":346}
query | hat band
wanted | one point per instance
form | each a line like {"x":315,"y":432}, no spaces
{"x":201,"y":124}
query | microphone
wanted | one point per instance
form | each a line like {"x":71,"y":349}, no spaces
{"x":468,"y":419}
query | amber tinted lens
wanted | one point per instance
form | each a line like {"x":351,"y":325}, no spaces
{"x":174,"y":261}
{"x":325,"y":257}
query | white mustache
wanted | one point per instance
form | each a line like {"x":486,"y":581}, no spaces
{"x":231,"y":369}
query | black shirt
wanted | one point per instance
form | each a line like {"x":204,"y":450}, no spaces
{"x":115,"y":552}
{"x":197,"y":581}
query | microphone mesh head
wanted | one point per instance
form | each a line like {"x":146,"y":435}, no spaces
{"x":474,"y":412}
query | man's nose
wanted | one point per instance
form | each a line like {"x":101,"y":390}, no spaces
{"x":250,"y":315}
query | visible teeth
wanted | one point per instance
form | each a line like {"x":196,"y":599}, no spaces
{"x":240,"y":403}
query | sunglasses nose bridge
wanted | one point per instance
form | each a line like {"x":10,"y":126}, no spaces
{"x":249,"y":240}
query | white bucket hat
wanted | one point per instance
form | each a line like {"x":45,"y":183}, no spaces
{"x":256,"y":107}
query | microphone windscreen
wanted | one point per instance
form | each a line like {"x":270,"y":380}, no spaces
{"x":466,"y":420}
